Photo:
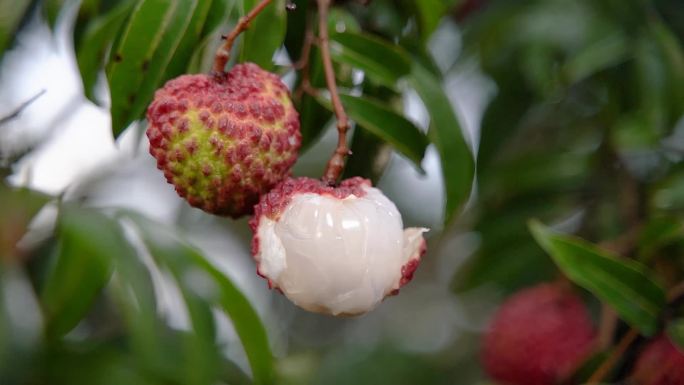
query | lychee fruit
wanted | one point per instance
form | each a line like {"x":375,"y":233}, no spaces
{"x":538,"y":336}
{"x":660,"y":363}
{"x":333,"y":250}
{"x":223,"y":140}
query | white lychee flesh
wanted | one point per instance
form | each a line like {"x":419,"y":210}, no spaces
{"x":339,"y":256}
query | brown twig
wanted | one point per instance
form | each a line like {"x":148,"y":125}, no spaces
{"x":607,"y":326}
{"x":614,"y":357}
{"x":223,"y":52}
{"x":17,"y":111}
{"x":302,"y":65}
{"x":335,"y":165}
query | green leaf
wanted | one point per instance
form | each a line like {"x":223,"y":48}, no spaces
{"x":596,"y":57}
{"x":218,"y":13}
{"x":88,"y":246}
{"x":381,"y":60}
{"x":388,"y":125}
{"x":186,"y":47}
{"x":183,"y":257}
{"x":265,"y":35}
{"x":446,"y":133}
{"x":624,"y":284}
{"x":675,"y":330}
{"x":430,"y":12}
{"x":95,"y":42}
{"x":12,"y":12}
{"x":370,"y":156}
{"x":142,"y":54}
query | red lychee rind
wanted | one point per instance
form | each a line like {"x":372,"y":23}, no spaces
{"x":660,"y":363}
{"x":223,"y":141}
{"x":273,"y":204}
{"x":538,"y":336}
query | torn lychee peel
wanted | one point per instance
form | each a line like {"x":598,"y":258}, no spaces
{"x":338,"y":251}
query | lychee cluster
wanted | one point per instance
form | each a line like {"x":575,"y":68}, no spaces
{"x":224,"y":140}
{"x":334,"y":250}
{"x":538,"y":336}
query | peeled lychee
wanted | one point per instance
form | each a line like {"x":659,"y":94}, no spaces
{"x":333,"y":250}
{"x":224,"y":140}
{"x":660,"y":363}
{"x":538,"y":336}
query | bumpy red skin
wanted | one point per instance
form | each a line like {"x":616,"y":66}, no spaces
{"x":224,"y":140}
{"x":538,"y":336}
{"x":273,"y":204}
{"x":660,"y":363}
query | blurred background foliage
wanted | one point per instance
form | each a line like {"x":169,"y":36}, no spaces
{"x":500,"y":112}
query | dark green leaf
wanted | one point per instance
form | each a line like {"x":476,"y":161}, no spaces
{"x":597,"y":57}
{"x":52,"y":9}
{"x":658,"y":233}
{"x":381,"y":60}
{"x":265,"y":35}
{"x":446,"y":133}
{"x":88,"y":247}
{"x":142,"y":54}
{"x":247,"y":324}
{"x":188,"y":43}
{"x":430,"y":12}
{"x":218,"y":13}
{"x":675,"y":330}
{"x":388,"y":125}
{"x":95,"y":42}
{"x":11,"y":14}
{"x":624,"y":284}
{"x":369,"y":157}
{"x":312,"y":116}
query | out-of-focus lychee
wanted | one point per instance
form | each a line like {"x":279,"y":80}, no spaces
{"x":660,"y":363}
{"x":538,"y":336}
{"x":224,"y":140}
{"x":333,"y":250}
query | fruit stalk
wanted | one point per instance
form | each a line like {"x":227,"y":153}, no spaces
{"x":335,"y":165}
{"x":223,"y":52}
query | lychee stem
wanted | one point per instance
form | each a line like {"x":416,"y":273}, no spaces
{"x":336,"y":163}
{"x":223,"y":52}
{"x":302,"y":65}
{"x":614,"y":357}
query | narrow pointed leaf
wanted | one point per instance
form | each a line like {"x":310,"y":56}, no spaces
{"x":11,"y":14}
{"x":247,"y":324}
{"x":446,"y":133}
{"x":382,"y":121}
{"x":142,"y":54}
{"x":265,"y":35}
{"x":88,"y":247}
{"x":97,"y":38}
{"x":624,"y":284}
{"x":381,"y":60}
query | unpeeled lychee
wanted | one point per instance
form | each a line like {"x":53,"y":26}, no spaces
{"x":333,"y":250}
{"x":224,"y":140}
{"x":538,"y":336}
{"x":660,"y":363}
